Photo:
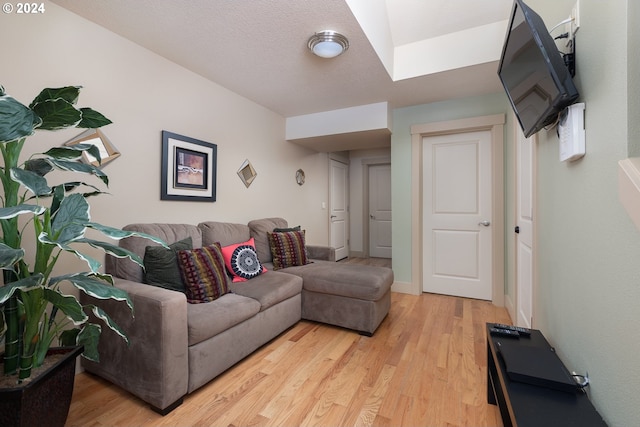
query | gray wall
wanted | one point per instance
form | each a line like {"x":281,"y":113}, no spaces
{"x":403,"y":119}
{"x":588,"y":250}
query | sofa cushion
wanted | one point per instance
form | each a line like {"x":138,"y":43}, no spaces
{"x":288,"y":249}
{"x":363,"y":282}
{"x":161,"y":266}
{"x":258,"y":229}
{"x":270,"y":288}
{"x":225,"y":233}
{"x":208,"y":320}
{"x":242,"y":261}
{"x":170,"y":233}
{"x":203,"y":273}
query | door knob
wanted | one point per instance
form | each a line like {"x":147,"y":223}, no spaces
{"x":333,"y":216}
{"x":372,"y":217}
{"x":485,"y":223}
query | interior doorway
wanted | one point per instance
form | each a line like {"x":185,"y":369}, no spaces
{"x":457,"y":214}
{"x":376,"y":207}
{"x":524,"y":230}
{"x":339,"y":208}
{"x":379,"y":210}
{"x":495,"y":125}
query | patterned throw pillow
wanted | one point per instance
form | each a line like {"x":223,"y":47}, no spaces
{"x":288,"y":249}
{"x":203,"y":273}
{"x":161,"y":265}
{"x":241,"y":260}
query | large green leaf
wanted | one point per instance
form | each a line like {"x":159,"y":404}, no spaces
{"x":69,"y":221}
{"x":114,"y":250}
{"x":68,"y":304}
{"x":58,"y":197}
{"x":9,"y":256}
{"x":57,"y":114}
{"x":72,"y":151}
{"x":91,"y":119}
{"x":93,"y":263}
{"x":79,"y":167}
{"x":14,"y":211}
{"x":72,"y":185}
{"x":69,"y":337}
{"x":68,"y":93}
{"x":16,"y":120}
{"x":102,"y":315}
{"x":27,"y":284}
{"x":32,"y":181}
{"x":89,"y":337}
{"x":117,"y":234}
{"x":39,"y":166}
{"x":98,"y":289}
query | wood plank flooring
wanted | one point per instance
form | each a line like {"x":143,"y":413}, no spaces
{"x":425,"y":366}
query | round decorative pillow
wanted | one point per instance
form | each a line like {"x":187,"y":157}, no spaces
{"x":245,"y":263}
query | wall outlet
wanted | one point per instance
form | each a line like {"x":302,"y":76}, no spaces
{"x":575,"y":18}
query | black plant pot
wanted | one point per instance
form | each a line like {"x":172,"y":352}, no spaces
{"x":46,"y":399}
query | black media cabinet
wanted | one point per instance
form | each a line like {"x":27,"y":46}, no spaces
{"x":526,"y":405}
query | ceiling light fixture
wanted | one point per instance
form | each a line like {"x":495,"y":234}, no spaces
{"x":328,"y":44}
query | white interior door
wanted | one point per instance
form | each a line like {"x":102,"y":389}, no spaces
{"x":457,"y":214}
{"x":339,"y":208}
{"x":525,"y":155}
{"x":380,"y":211}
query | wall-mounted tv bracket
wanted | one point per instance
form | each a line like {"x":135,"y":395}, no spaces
{"x":571,"y":26}
{"x":570,"y":57}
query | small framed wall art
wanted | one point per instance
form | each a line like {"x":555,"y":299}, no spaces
{"x":188,"y":170}
{"x":247,"y":173}
{"x":96,"y":137}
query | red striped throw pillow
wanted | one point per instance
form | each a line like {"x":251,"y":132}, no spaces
{"x":287,"y":249}
{"x":203,"y":273}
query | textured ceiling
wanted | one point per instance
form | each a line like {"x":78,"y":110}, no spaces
{"x":257,"y":48}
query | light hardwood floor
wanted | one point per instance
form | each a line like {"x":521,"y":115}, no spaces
{"x":425,"y":366}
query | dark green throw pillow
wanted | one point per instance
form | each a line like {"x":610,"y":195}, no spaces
{"x":161,"y":265}
{"x":285,"y":230}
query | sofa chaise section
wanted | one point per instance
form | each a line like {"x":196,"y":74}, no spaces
{"x":351,"y":296}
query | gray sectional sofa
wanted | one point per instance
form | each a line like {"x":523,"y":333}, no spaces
{"x":177,"y":347}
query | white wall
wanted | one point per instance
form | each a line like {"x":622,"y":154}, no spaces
{"x":143,"y":94}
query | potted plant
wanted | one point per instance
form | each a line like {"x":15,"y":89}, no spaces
{"x":34,"y":310}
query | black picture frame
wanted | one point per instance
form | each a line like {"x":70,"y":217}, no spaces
{"x":188,"y":169}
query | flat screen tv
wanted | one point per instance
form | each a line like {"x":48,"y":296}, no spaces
{"x":533,"y":72}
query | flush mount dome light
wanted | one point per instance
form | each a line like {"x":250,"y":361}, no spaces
{"x":328,"y":44}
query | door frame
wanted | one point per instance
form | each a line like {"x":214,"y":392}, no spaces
{"x":333,"y":157}
{"x":512,"y":301}
{"x":494,"y":124}
{"x":366,"y":164}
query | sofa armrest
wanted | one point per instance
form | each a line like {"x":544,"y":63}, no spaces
{"x":154,"y":366}
{"x":325,"y":253}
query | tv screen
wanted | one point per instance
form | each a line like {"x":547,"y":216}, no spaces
{"x":533,"y":72}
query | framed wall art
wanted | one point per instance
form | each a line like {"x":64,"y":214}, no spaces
{"x":96,"y":137}
{"x":188,"y":170}
{"x":247,"y":173}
